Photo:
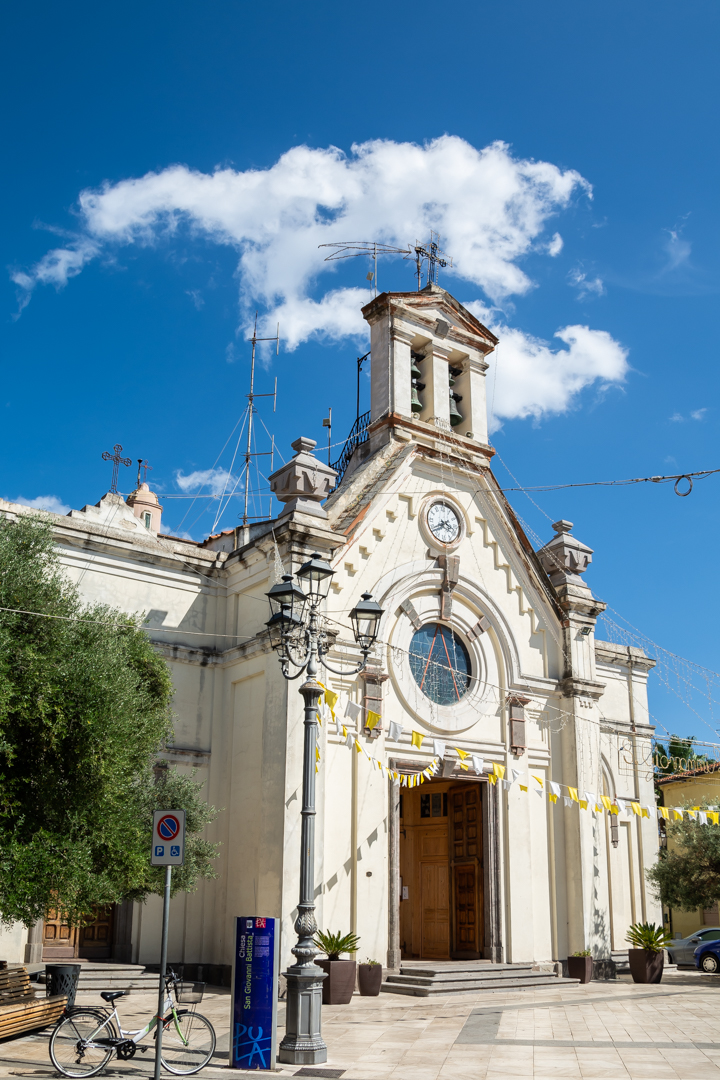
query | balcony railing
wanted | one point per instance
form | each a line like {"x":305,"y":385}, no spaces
{"x":358,"y":435}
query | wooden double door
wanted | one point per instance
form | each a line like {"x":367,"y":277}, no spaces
{"x":441,"y":869}
{"x":91,"y":942}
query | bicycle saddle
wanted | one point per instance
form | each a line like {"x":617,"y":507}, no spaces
{"x":110,"y":995}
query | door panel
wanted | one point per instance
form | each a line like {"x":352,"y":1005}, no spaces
{"x":96,"y":939}
{"x":435,"y":909}
{"x":59,"y":939}
{"x":466,"y":861}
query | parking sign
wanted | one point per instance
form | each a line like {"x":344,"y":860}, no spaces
{"x":168,"y":842}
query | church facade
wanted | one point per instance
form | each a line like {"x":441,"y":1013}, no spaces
{"x":478,"y":817}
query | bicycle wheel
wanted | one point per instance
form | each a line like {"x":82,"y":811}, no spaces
{"x":187,"y":1047}
{"x":71,"y":1051}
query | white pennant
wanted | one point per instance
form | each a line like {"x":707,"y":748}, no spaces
{"x":478,"y":764}
{"x":438,"y":748}
{"x":350,"y":741}
{"x":394,"y":731}
{"x":555,"y":788}
{"x":352,"y":710}
{"x":590,"y":798}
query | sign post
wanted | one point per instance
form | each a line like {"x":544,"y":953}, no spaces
{"x":256,"y":962}
{"x":168,"y":850}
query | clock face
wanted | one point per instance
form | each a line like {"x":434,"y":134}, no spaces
{"x":443,"y":523}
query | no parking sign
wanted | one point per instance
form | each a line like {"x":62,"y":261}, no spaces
{"x":168,"y":843}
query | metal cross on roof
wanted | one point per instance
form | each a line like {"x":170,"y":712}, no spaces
{"x":143,"y":467}
{"x":433,"y":255}
{"x":117,"y":460}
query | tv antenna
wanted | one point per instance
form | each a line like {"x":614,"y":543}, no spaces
{"x":351,"y":249}
{"x":433,"y":256}
{"x":251,"y":410}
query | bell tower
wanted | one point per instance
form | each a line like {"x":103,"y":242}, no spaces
{"x":428,"y":361}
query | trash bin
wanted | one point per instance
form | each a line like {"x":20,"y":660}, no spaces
{"x":62,"y":979}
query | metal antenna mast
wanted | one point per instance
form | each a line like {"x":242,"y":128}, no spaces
{"x":351,"y":249}
{"x":433,"y":255}
{"x":251,"y":409}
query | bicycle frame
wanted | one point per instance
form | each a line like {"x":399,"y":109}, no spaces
{"x":134,"y":1036}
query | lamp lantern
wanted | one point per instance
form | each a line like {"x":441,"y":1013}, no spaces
{"x":365,"y":618}
{"x":314,"y":576}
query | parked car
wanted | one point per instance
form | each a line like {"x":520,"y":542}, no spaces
{"x":682,"y":951}
{"x":707,"y":957}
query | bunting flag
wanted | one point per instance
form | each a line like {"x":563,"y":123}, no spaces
{"x":317,"y":753}
{"x":352,"y":711}
{"x":567,"y":800}
{"x":499,"y":770}
{"x":358,"y":747}
{"x":554,"y":787}
{"x":552,"y":798}
{"x":373,"y":719}
{"x":394,"y":731}
{"x":462,"y":754}
{"x":349,"y":740}
{"x":572,"y":792}
{"x":492,"y":777}
{"x":583,"y":804}
{"x":538,"y":779}
{"x":635,"y":808}
{"x":604,"y":799}
{"x":664,"y":812}
{"x":417,"y":739}
{"x":677,"y":814}
{"x":438,"y":748}
{"x":331,"y":700}
{"x":590,"y":797}
{"x":523,"y":787}
{"x":478,"y":764}
{"x":622,"y":807}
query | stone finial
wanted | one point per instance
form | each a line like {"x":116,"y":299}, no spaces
{"x":304,"y":482}
{"x":565,"y":557}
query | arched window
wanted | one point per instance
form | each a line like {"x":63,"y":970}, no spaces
{"x":440,"y":663}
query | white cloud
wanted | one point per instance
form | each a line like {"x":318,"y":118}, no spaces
{"x":585,"y":285}
{"x":677,"y":249}
{"x":44,"y":502}
{"x":555,"y":246}
{"x":488,"y":206}
{"x":696,"y":414}
{"x":533,"y":380}
{"x":217,"y":480}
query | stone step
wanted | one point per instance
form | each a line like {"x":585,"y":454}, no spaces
{"x":426,"y":976}
{"x":471,"y":985}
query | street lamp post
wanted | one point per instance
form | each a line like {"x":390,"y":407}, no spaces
{"x":301,"y":643}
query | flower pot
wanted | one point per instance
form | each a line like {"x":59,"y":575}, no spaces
{"x":646,"y":966}
{"x":580,"y":967}
{"x":340,"y":983}
{"x":369,"y":979}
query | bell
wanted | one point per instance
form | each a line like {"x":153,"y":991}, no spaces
{"x":414,"y":399}
{"x":415,"y":372}
{"x":455,"y":414}
{"x":453,"y":373}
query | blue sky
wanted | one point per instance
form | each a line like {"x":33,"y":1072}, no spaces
{"x":599,"y":210}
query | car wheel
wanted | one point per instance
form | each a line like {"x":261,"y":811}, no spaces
{"x":709,"y":963}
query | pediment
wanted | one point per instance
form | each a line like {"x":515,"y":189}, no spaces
{"x":423,"y":309}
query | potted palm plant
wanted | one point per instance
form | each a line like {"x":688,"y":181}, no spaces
{"x":369,"y":978}
{"x":646,"y":955}
{"x":580,"y":966}
{"x":340,"y":983}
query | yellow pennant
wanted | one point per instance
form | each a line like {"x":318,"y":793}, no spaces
{"x":492,"y":778}
{"x":598,"y":808}
{"x":692,"y":814}
{"x":422,"y":778}
{"x":358,"y":747}
{"x":373,"y":719}
{"x":344,"y":732}
{"x":552,"y":798}
{"x":714,"y":816}
{"x":572,"y":792}
{"x":317,"y":753}
{"x":499,"y":770}
{"x":583,"y":804}
{"x":523,"y":788}
{"x":605,"y":801}
{"x":645,"y":812}
{"x":636,"y":808}
{"x":417,"y":739}
{"x":319,"y":718}
{"x":317,"y":768}
{"x":614,"y":809}
{"x":538,"y":779}
{"x":331,"y":700}
{"x":462,"y":754}
{"x":464,"y":766}
{"x":664,"y":812}
{"x":677,"y":815}
{"x":396,"y":776}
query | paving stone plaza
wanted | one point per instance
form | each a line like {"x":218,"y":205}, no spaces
{"x":602,"y":1030}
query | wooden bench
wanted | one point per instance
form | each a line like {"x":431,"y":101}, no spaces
{"x":20,"y":1010}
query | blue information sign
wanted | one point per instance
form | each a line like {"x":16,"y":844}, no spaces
{"x":255,"y":991}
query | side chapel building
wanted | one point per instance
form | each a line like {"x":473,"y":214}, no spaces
{"x":455,"y":868}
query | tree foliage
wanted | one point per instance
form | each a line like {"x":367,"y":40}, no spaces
{"x":84,"y":708}
{"x":687,"y":873}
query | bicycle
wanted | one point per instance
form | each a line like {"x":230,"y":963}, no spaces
{"x":83,"y":1040}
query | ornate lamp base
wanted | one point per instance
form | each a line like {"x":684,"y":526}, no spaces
{"x":303,"y":1044}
